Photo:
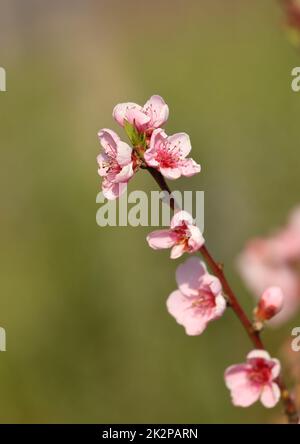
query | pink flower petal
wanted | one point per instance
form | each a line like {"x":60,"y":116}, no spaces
{"x":270,"y":395}
{"x":244,"y":396}
{"x":189,"y":167}
{"x":124,"y":152}
{"x":102,"y":160}
{"x":196,"y":240}
{"x":211,"y":281}
{"x":243,"y":392}
{"x":109,"y":140}
{"x":170,"y":173}
{"x":113,"y":190}
{"x":161,"y":239}
{"x":220,"y":307}
{"x":177,"y":251}
{"x":158,"y":111}
{"x":137,"y":117}
{"x":236,"y":376}
{"x":189,"y":275}
{"x":178,"y":305}
{"x":257,"y":354}
{"x":276,"y":368}
{"x":124,"y":175}
{"x":149,"y":157}
{"x":158,"y":137}
{"x":180,"y":143}
{"x":120,"y":110}
{"x":181,"y":309}
{"x":180,"y":217}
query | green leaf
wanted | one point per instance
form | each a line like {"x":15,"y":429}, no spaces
{"x":136,"y":138}
{"x":131,"y":133}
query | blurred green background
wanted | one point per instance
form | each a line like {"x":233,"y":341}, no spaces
{"x":88,"y":335}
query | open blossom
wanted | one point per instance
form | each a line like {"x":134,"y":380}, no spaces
{"x":116,"y":164}
{"x":198,"y":300}
{"x":270,"y":304}
{"x":183,"y":236}
{"x":168,"y":154}
{"x":254,"y":380}
{"x":145,"y":118}
{"x":275,"y":261}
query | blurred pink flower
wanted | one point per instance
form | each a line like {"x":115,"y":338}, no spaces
{"x":254,"y":380}
{"x":145,"y":118}
{"x":116,"y":164}
{"x":275,"y":261}
{"x":168,"y":155}
{"x":270,"y":304}
{"x":198,"y":300}
{"x":292,"y":11}
{"x":183,"y":236}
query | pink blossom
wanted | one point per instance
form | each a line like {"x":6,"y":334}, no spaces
{"x":275,"y":261}
{"x":183,"y":236}
{"x":168,"y":155}
{"x":269,"y":304}
{"x":292,"y":9}
{"x":286,"y":241}
{"x":198,"y":300}
{"x":254,"y":380}
{"x":145,"y":118}
{"x":116,"y":164}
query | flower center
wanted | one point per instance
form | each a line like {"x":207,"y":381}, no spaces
{"x":260,"y":372}
{"x":205,"y":300}
{"x":183,"y":235}
{"x":168,"y":156}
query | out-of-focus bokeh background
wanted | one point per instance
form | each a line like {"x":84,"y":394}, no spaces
{"x":88,"y":335}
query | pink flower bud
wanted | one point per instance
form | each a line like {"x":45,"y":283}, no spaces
{"x":270,"y":304}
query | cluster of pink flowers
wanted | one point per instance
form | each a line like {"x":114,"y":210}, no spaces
{"x":275,"y":260}
{"x":167,"y":154}
{"x":267,"y":264}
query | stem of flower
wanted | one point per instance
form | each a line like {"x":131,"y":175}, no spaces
{"x":234,"y":303}
{"x":290,"y":408}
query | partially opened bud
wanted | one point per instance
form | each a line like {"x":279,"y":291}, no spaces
{"x":270,"y":304}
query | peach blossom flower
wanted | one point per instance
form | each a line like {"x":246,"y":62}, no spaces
{"x":198,"y":300}
{"x":254,"y":380}
{"x":183,"y":236}
{"x":145,"y":118}
{"x":168,"y":154}
{"x":115,"y":164}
